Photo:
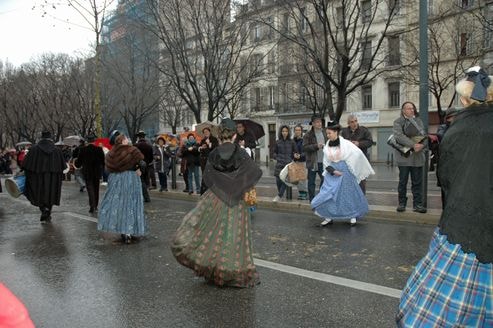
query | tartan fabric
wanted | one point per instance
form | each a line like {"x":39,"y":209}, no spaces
{"x":448,"y":288}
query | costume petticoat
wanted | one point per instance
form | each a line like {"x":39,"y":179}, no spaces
{"x":215,"y":241}
{"x":122,"y":208}
{"x":340,"y":197}
{"x":448,"y":288}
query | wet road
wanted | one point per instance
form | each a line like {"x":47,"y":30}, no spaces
{"x":69,"y":275}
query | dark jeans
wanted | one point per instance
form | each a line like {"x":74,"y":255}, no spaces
{"x":416,"y":184}
{"x":92,"y":186}
{"x":152,"y":175}
{"x":312,"y":175}
{"x":281,"y":187}
{"x":163,"y":180}
{"x":144,"y":179}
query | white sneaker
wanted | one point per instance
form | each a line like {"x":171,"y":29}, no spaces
{"x":326,"y":222}
{"x":353,"y":221}
{"x":276,"y":199}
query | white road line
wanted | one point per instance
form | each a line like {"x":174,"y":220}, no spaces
{"x":80,"y":216}
{"x":355,"y":284}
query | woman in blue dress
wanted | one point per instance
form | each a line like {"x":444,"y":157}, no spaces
{"x":122,"y":208}
{"x":340,"y":197}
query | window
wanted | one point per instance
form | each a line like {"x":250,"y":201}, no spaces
{"x":302,"y":95}
{"x":365,"y":11}
{"x":339,"y":17}
{"x":394,"y":51}
{"x":465,"y":4}
{"x":256,"y":33}
{"x":431,"y":7}
{"x":394,"y":94}
{"x":464,"y":44}
{"x":285,"y":22}
{"x":366,"y":54}
{"x":303,"y":20}
{"x":366,"y":97}
{"x":256,"y":98}
{"x":269,"y":33}
{"x":271,"y":62}
{"x":271,"y":97}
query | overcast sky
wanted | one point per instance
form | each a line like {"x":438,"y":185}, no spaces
{"x":25,"y":34}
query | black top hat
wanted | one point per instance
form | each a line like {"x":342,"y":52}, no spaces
{"x":91,"y":138}
{"x":46,"y":134}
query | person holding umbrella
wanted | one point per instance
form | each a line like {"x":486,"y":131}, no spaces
{"x":245,"y":138}
{"x":206,"y":145}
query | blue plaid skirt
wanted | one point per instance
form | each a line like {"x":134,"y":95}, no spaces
{"x":448,"y":288}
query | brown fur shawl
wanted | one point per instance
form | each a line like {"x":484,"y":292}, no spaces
{"x":123,"y":158}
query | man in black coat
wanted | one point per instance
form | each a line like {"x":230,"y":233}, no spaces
{"x":43,"y":167}
{"x":146,"y":150}
{"x":245,"y":138}
{"x":91,"y":162}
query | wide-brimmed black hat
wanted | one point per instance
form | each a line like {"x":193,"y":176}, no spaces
{"x":91,"y":137}
{"x":141,"y":134}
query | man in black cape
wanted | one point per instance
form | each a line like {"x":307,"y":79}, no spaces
{"x":43,"y":167}
{"x":91,"y":161}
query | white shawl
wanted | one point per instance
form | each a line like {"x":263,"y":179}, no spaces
{"x":353,"y":156}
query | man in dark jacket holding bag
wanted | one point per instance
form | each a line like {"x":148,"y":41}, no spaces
{"x":313,"y":144}
{"x":91,"y":162}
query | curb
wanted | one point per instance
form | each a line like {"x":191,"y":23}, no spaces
{"x":377,"y":213}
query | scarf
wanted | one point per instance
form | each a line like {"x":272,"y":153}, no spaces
{"x":123,"y":158}
{"x":353,"y":156}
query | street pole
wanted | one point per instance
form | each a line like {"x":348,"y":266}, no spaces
{"x":423,"y":85}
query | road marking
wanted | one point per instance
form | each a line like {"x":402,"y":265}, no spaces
{"x":355,"y":284}
{"x":80,"y":216}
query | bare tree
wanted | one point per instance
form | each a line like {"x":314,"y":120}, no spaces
{"x":93,"y":13}
{"x":455,"y":40}
{"x":201,"y":51}
{"x":133,"y":80}
{"x":338,"y":47}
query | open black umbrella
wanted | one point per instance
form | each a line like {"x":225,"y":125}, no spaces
{"x":252,"y":127}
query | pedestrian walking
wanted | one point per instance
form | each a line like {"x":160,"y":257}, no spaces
{"x":104,"y":173}
{"x":190,"y":152}
{"x":77,"y":171}
{"x":91,"y":162}
{"x":43,"y":167}
{"x":299,"y":156}
{"x":146,"y":149}
{"x":452,"y":286}
{"x":284,"y":150}
{"x":361,"y":137}
{"x":122,"y":207}
{"x":206,"y":145}
{"x":408,"y":130}
{"x":340,"y":197}
{"x":214,"y":239}
{"x":313,"y":144}
{"x":162,"y":162}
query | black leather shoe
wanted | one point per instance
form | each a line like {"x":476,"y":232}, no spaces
{"x":419,"y":209}
{"x":401,"y":208}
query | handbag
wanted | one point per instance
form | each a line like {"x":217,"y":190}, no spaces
{"x":296,"y":172}
{"x":250,"y":197}
{"x":283,"y":175}
{"x":404,"y":150}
